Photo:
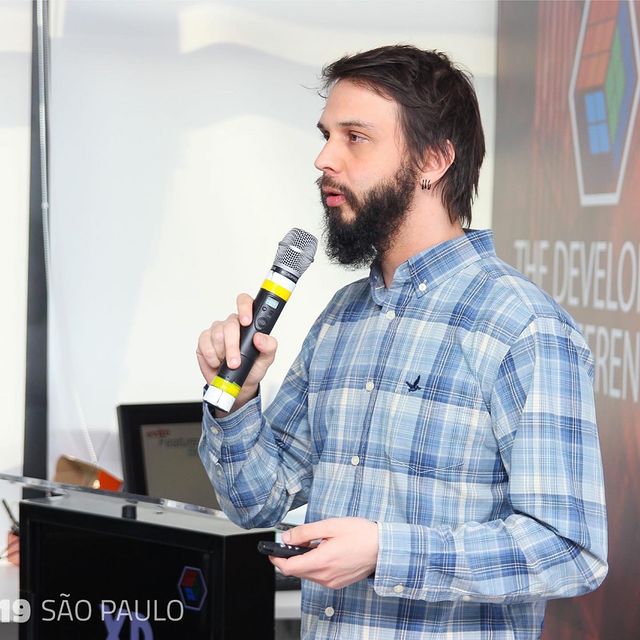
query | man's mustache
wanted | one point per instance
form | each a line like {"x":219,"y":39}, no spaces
{"x":324,"y":182}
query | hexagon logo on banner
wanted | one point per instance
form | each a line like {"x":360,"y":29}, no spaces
{"x":603,"y":98}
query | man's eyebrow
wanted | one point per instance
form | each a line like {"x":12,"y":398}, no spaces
{"x":359,"y":124}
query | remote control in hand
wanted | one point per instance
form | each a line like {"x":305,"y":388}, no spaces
{"x":280,"y":549}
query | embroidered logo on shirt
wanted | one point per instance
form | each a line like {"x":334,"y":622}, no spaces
{"x":415,"y":386}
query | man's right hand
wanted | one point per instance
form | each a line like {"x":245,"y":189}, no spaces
{"x":222,"y":341}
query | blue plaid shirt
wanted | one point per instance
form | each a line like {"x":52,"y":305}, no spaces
{"x":455,"y":408}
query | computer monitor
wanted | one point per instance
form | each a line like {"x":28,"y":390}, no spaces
{"x":159,"y":446}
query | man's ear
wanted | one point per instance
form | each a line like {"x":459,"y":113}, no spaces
{"x":436,"y":163}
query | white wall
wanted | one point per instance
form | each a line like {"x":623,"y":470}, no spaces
{"x":182,"y":141}
{"x":15,"y":80}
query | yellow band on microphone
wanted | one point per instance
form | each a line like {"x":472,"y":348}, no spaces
{"x":276,"y":289}
{"x":231,"y":388}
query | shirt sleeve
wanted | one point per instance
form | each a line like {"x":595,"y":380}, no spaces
{"x":260,"y":463}
{"x":552,"y":543}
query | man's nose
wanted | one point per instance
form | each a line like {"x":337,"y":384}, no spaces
{"x":328,"y":160}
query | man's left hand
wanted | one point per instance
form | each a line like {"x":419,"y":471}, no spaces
{"x":347,"y":552}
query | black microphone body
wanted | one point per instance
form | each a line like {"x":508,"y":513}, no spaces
{"x":266,"y":310}
{"x":295,"y":254}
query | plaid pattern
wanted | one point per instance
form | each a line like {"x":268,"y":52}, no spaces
{"x":455,"y":409}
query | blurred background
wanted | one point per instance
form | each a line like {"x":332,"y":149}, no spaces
{"x":181,"y":144}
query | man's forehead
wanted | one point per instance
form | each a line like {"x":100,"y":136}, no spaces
{"x":356,"y":104}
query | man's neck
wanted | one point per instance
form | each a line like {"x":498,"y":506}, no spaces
{"x":419,"y":232}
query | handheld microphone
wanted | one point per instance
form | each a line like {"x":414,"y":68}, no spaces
{"x":295,"y":253}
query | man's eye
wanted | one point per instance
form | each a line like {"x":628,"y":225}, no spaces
{"x":355,"y":137}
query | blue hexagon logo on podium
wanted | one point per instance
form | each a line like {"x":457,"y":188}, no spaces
{"x":192,"y":588}
{"x":603,"y":98}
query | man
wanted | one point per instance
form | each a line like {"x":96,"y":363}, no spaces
{"x":439,"y":420}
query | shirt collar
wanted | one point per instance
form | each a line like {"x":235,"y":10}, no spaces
{"x":434,"y":265}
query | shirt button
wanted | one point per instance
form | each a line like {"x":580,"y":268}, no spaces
{"x":398,"y":588}
{"x":369,"y":386}
{"x":329,"y":611}
{"x":390,"y":314}
{"x":215,"y":430}
{"x":219,"y":471}
{"x":355,"y":461}
{"x":466,"y":598}
{"x":422,"y":286}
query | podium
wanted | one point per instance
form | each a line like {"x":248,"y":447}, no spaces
{"x":122,"y":567}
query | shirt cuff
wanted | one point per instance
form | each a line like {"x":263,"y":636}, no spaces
{"x":404,"y":551}
{"x":235,"y":426}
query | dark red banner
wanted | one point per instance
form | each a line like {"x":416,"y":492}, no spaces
{"x":567,"y":214}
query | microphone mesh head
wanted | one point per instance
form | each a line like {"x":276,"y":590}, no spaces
{"x":295,"y":252}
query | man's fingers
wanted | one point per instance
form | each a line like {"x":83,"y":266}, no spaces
{"x":217,"y":341}
{"x":207,"y":371}
{"x":305,"y":533}
{"x":232,"y":341}
{"x":245,"y":309}
{"x":221,"y":342}
{"x":302,"y":566}
{"x":206,"y":350}
{"x":266,"y":345}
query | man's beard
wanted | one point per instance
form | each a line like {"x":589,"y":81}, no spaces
{"x":377,"y":218}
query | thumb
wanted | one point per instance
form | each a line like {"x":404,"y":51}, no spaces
{"x":305,"y":533}
{"x":266,"y":345}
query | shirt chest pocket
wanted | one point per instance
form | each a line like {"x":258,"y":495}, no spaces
{"x":433,"y":431}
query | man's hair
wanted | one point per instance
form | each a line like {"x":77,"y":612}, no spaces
{"x":438,"y":105}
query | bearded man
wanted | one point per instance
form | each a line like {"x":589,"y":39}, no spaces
{"x":439,"y":420}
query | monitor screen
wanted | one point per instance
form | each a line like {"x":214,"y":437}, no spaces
{"x":159,"y":445}
{"x":172,"y":466}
